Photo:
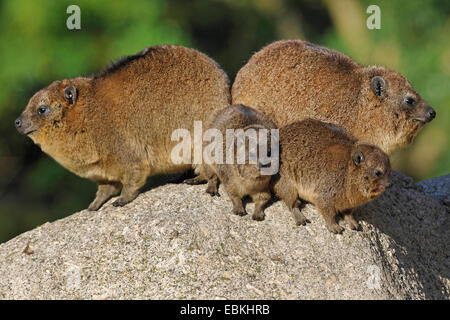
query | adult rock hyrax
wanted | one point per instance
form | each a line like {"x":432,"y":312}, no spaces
{"x":115,"y":128}
{"x":294,"y":80}
{"x":323,"y":165}
{"x":244,"y":178}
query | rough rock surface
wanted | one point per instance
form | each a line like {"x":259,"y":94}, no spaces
{"x":175,"y":241}
{"x":438,"y":188}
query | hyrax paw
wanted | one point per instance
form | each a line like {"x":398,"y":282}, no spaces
{"x":335,"y":228}
{"x":258,"y":217}
{"x":213,"y":193}
{"x":352,"y":223}
{"x":93,"y":207}
{"x":239,"y":212}
{"x":119,"y":203}
{"x":354,"y":226}
{"x":194,"y":181}
{"x":302,"y":221}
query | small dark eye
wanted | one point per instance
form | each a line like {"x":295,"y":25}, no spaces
{"x":409,"y":101}
{"x":43,"y":110}
{"x":378,"y":173}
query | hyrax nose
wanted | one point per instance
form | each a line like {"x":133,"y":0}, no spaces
{"x":18,"y":122}
{"x":430,"y":113}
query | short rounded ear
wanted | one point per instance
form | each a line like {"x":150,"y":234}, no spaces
{"x":378,"y":85}
{"x":70,"y":94}
{"x":358,"y":157}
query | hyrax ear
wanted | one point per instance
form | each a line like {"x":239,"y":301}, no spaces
{"x":358,"y":157}
{"x":378,"y":86}
{"x":70,"y":94}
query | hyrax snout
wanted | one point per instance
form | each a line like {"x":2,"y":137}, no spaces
{"x":252,"y":147}
{"x":323,"y":165}
{"x":115,"y":128}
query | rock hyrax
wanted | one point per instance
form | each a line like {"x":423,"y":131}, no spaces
{"x":294,"y":80}
{"x":246,"y":179}
{"x":323,"y":165}
{"x":115,"y":128}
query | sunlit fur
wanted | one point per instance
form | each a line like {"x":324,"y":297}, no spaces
{"x":317,"y":166}
{"x":240,"y":180}
{"x":293,"y":80}
{"x":118,"y":131}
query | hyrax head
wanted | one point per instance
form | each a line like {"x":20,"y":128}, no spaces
{"x":395,"y":106}
{"x":46,"y":113}
{"x":370,"y":170}
{"x":260,"y":158}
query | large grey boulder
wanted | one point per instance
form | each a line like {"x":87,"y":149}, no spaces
{"x":175,"y":241}
{"x":438,"y":188}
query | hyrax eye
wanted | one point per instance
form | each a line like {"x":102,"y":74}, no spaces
{"x":377,"y":173}
{"x":43,"y":110}
{"x":409,"y":101}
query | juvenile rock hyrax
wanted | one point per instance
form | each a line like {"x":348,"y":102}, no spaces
{"x":115,"y":128}
{"x":295,"y":80}
{"x":243,"y":178}
{"x":321,"y":164}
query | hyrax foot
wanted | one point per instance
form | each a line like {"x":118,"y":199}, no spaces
{"x":120,"y":202}
{"x":300,"y":219}
{"x":104,"y":193}
{"x":95,"y":205}
{"x":238,"y":206}
{"x":213,"y":186}
{"x":329,"y":215}
{"x":125,"y":197}
{"x":239,"y":212}
{"x":258,"y":216}
{"x":261,"y":199}
{"x":195,"y":181}
{"x":131,"y":185}
{"x":353,"y":224}
{"x":335,"y":228}
{"x":213,"y":191}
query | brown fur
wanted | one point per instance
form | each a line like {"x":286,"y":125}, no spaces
{"x":294,"y":80}
{"x":317,"y":165}
{"x":118,"y":130}
{"x":239,"y":180}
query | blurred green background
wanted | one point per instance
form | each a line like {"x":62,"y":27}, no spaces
{"x":37,"y":48}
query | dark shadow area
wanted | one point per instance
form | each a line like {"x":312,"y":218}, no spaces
{"x":419,"y":228}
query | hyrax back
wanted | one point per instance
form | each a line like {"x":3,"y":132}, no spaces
{"x":323,"y":165}
{"x":245,"y":179}
{"x":295,"y":80}
{"x":115,"y":128}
